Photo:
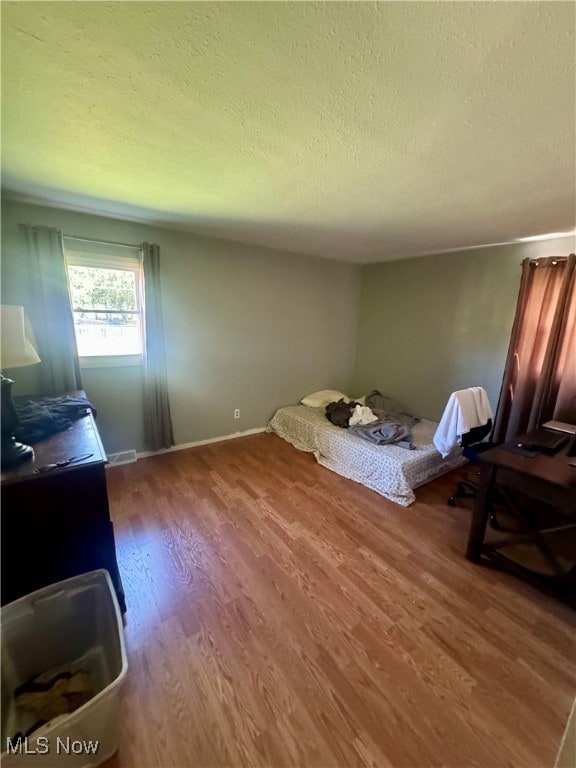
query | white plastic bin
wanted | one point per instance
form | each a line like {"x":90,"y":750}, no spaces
{"x":74,"y":622}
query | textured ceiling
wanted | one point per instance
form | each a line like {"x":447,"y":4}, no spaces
{"x":357,"y":131}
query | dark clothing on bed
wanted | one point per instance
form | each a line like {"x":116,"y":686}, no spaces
{"x":385,"y":433}
{"x":387,"y":410}
{"x":339,"y":413}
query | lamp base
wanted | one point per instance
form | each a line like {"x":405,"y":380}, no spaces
{"x":14,"y":453}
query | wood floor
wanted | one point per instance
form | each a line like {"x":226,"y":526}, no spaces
{"x":280,"y":615}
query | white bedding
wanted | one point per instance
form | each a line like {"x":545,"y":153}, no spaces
{"x":389,"y":470}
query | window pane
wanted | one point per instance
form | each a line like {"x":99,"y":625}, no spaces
{"x":106,"y":318}
{"x":107,"y":333}
{"x":93,"y":288}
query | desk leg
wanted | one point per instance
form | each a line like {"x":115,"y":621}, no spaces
{"x":480,"y":515}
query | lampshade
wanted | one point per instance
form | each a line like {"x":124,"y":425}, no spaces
{"x":17,"y":349}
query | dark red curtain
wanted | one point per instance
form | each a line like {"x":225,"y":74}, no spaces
{"x":540,"y":374}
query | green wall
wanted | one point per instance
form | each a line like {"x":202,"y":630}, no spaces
{"x":434,"y":324}
{"x":253,"y":328}
{"x":246,"y":327}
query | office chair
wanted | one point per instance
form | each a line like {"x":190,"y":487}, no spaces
{"x":472,"y":449}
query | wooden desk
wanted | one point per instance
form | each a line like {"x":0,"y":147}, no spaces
{"x":548,"y":480}
{"x":57,"y":524}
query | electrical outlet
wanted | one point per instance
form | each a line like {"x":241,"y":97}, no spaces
{"x":237,"y":413}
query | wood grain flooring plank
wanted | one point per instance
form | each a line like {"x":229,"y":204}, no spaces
{"x":281,"y":615}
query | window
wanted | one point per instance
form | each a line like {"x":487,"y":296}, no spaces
{"x":106,"y":292}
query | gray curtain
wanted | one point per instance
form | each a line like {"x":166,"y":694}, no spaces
{"x":158,"y":431}
{"x":50,"y":311}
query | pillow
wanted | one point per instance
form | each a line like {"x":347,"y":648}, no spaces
{"x":321,"y":398}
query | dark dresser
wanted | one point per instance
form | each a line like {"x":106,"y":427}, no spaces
{"x":56,"y":524}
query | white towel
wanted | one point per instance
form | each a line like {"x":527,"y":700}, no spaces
{"x":362,"y":415}
{"x":465,"y":410}
{"x":482,"y":405}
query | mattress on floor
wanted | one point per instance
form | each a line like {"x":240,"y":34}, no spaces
{"x":389,"y":470}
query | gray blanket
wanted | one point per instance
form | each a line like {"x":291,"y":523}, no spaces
{"x":384,"y":433}
{"x":388,"y":410}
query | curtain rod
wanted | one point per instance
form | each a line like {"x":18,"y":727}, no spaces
{"x":104,"y":242}
{"x":552,"y":259}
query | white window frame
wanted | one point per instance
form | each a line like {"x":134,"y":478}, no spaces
{"x":127,"y":263}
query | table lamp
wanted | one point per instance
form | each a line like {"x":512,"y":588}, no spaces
{"x":16,"y":350}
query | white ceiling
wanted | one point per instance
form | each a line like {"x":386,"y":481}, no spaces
{"x":351,"y":130}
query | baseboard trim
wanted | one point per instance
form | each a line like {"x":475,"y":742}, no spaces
{"x":197,"y":443}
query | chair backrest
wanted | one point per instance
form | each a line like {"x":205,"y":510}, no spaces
{"x":476,"y":434}
{"x":465,"y":417}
